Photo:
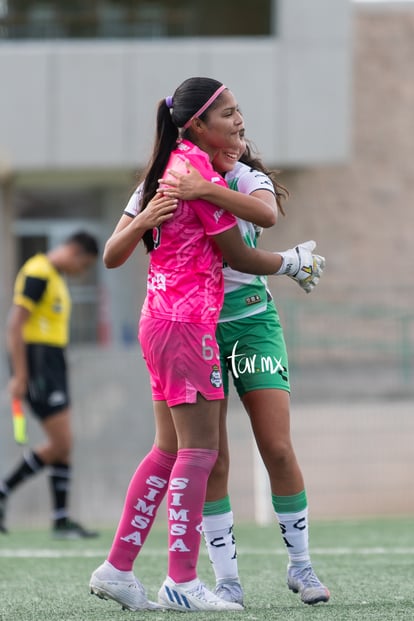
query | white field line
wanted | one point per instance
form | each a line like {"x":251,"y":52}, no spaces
{"x":64,"y":553}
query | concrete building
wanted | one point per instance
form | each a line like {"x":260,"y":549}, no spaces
{"x":327,"y":95}
{"x":77,"y":117}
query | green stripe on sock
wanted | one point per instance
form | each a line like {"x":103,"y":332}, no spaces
{"x":290,"y":504}
{"x":216,"y":507}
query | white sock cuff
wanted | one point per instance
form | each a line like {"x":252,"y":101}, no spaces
{"x":221,"y":521}
{"x":293,"y":516}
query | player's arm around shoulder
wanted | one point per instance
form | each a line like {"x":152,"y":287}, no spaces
{"x":131,"y":228}
{"x":259,"y":207}
{"x":241,"y":257}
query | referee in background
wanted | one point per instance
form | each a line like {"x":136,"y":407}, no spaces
{"x":37,"y":335}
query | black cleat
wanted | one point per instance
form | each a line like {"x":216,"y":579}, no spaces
{"x":3,"y":503}
{"x":67,"y":529}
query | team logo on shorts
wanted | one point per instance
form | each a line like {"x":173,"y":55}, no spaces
{"x":215,"y":377}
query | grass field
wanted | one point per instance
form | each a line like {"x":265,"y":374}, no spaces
{"x":368,"y":566}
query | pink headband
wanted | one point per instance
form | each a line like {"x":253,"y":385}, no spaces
{"x":206,"y":105}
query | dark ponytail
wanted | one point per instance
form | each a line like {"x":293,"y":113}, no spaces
{"x":172,"y":114}
{"x":166,"y":136}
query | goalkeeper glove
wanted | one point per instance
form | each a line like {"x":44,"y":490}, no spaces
{"x":302,"y":265}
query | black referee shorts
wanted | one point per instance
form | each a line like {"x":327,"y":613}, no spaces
{"x":48,"y":391}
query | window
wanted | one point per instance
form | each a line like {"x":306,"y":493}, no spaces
{"x":34,"y":19}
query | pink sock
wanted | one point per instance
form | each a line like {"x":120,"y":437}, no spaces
{"x":186,"y":496}
{"x":145,"y":494}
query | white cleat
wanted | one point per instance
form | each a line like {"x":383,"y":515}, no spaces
{"x":304,"y":581}
{"x":230,"y":591}
{"x":191,"y":597}
{"x":123,"y":587}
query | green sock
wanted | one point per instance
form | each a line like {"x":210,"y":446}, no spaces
{"x":215,"y":507}
{"x":219,"y":538}
{"x":290,"y":504}
{"x":292,"y":514}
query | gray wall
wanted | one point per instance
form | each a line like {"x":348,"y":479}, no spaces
{"x":79,"y":115}
{"x":75,"y":105}
{"x":346,"y":446}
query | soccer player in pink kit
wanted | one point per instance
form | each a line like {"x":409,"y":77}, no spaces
{"x":187,"y":242}
{"x":249,"y":322}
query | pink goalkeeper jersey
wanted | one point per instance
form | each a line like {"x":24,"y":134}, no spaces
{"x":185,"y":277}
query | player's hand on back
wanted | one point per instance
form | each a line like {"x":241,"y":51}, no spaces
{"x":189,"y":186}
{"x":159,"y":209}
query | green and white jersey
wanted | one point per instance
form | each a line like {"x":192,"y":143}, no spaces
{"x":245,"y":294}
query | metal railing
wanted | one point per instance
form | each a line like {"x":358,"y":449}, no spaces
{"x":350,"y":335}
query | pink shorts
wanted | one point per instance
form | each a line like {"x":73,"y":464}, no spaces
{"x":182,"y":359}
